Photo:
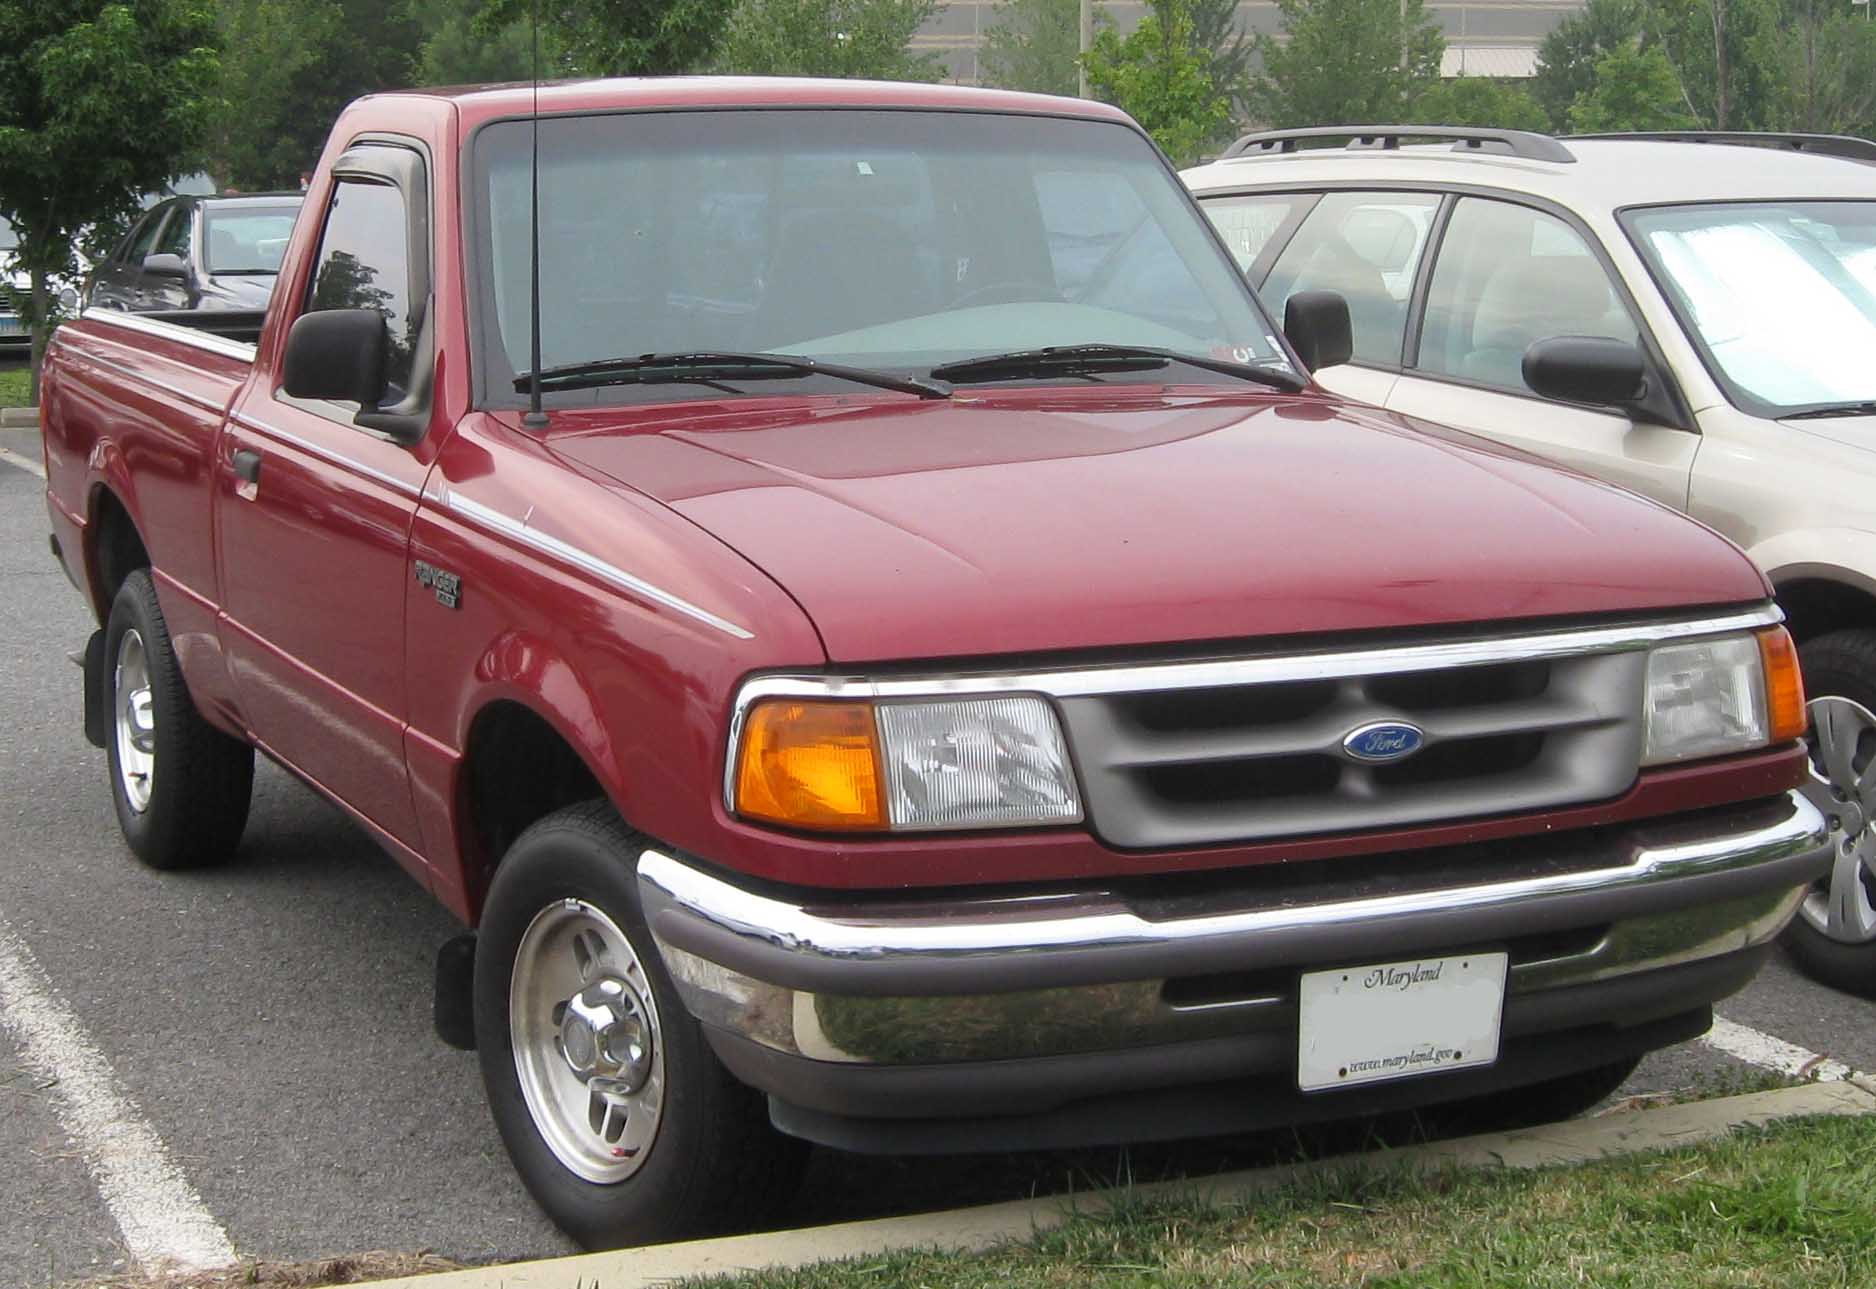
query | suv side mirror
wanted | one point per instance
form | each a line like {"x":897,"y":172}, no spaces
{"x":338,"y":354}
{"x":164,"y":264}
{"x":1316,"y":323}
{"x":1587,"y":369}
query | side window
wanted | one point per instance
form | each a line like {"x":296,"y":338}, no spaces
{"x":143,"y":240}
{"x":1366,"y":246}
{"x":1248,"y":223}
{"x":1507,"y":276}
{"x":364,"y":263}
{"x":175,"y":238}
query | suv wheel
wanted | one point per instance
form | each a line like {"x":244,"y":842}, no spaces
{"x":1834,"y":935}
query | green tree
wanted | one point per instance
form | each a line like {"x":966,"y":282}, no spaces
{"x":1478,"y":100}
{"x":1635,"y":89}
{"x":1566,"y":61}
{"x":1158,"y":78}
{"x":98,"y":104}
{"x":290,"y":66}
{"x":459,"y":50}
{"x":1827,"y":73}
{"x":1346,"y":62}
{"x":1035,"y":45}
{"x":621,"y":37}
{"x":1724,"y":55}
{"x":1226,"y":45}
{"x":847,"y":38}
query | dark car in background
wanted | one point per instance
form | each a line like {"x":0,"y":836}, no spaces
{"x":199,"y":254}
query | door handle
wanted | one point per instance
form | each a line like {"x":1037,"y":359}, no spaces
{"x":247,"y":470}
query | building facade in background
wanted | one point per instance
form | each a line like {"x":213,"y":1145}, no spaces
{"x":1496,"y":38}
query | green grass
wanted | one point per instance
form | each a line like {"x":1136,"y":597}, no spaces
{"x":1789,"y":1205}
{"x":14,"y":383}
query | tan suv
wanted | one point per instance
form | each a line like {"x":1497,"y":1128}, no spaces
{"x":1692,"y":316}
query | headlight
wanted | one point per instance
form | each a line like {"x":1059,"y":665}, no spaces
{"x":952,"y":763}
{"x":1726,"y":694}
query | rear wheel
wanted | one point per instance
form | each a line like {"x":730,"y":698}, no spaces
{"x":618,"y":1117}
{"x":1834,"y":935}
{"x":180,"y":786}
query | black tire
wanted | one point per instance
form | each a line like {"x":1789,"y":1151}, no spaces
{"x":1842,"y":665}
{"x":199,"y":781}
{"x":714,"y":1163}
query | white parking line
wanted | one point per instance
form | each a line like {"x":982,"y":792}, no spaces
{"x":1769,"y":1053}
{"x":162,"y":1219}
{"x":29,"y":466}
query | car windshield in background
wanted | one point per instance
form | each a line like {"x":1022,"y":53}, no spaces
{"x":9,"y":240}
{"x":248,"y":239}
{"x":893,"y":241}
{"x":1781,"y":296}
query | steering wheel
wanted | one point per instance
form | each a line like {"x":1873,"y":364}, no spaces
{"x":1007,"y":292}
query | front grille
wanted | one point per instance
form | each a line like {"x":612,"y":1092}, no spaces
{"x":1264,"y":759}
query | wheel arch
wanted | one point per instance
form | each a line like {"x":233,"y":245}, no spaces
{"x":521,"y":761}
{"x":1824,"y":580}
{"x":114,"y":546}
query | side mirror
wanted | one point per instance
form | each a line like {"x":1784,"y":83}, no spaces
{"x":163,"y":264}
{"x":1587,"y":369}
{"x":1316,"y":323}
{"x":338,"y":354}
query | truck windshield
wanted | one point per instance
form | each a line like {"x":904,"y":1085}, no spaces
{"x":890,"y":240}
{"x":1780,"y":297}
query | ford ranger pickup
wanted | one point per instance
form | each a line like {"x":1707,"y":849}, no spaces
{"x":933,"y":673}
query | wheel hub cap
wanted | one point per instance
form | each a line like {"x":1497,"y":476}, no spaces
{"x":603,"y":1034}
{"x":1843,"y":788}
{"x":588,"y":1053}
{"x":134,"y":714}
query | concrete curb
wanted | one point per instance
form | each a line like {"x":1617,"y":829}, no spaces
{"x":19,"y":418}
{"x":973,"y":1229}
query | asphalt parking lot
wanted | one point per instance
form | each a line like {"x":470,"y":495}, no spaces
{"x":267,"y":1024}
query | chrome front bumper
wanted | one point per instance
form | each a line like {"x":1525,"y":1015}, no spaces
{"x":923,"y":981}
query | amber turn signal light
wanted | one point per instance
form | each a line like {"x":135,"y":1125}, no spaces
{"x":1785,"y":716}
{"x":810,"y":765}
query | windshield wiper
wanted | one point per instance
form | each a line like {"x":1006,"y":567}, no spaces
{"x":709,"y":367}
{"x":1866,"y":407}
{"x":1096,"y":360}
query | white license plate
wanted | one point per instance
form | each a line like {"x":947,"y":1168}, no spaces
{"x":1394,"y":1020}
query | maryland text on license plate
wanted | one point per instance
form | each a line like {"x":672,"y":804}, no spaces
{"x":1393,"y":1020}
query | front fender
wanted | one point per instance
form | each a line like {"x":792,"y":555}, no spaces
{"x":1846,"y":555}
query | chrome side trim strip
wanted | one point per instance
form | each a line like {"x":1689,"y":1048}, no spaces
{"x":174,"y":391}
{"x":327,"y":455}
{"x":520,"y":531}
{"x":171,"y":331}
{"x":1014,"y":928}
{"x":1263,"y":670}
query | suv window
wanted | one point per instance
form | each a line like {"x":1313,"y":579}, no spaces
{"x":364,"y":263}
{"x":1248,"y":223}
{"x":1365,"y":246}
{"x":1506,"y":276}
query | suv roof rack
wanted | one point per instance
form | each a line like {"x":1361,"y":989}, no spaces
{"x":1823,"y":145}
{"x":1517,"y":143}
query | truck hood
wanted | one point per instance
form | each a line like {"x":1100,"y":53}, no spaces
{"x":1076,"y":519}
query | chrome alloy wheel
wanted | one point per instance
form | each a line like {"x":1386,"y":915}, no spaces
{"x":135,"y":719}
{"x":1843,"y":787}
{"x":588,"y":1048}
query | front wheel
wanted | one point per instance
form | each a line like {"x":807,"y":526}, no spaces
{"x":1834,"y":935}
{"x":620,"y":1120}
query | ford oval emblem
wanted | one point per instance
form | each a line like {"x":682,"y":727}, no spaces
{"x":1384,"y":741}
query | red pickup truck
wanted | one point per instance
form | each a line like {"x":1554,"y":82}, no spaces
{"x":935,"y":674}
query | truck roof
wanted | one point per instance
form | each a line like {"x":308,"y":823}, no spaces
{"x":480,"y":103}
